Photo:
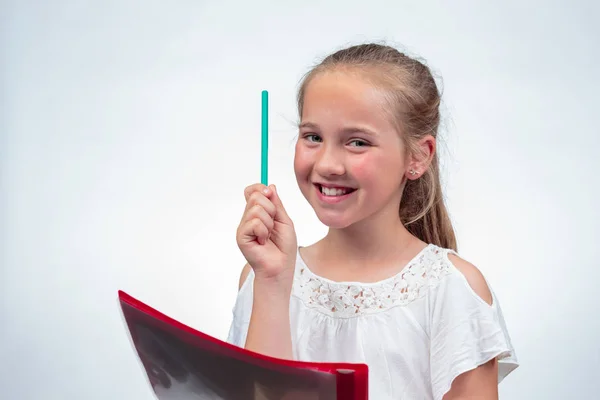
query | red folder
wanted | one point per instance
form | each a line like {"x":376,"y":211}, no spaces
{"x":185,"y":364}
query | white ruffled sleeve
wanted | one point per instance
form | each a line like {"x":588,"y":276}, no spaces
{"x":242,"y":311}
{"x":466,"y":332}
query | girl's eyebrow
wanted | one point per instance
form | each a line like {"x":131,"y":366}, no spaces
{"x":308,"y":125}
{"x":347,"y":131}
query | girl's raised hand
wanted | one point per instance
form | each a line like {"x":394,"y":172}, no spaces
{"x":266,"y":235}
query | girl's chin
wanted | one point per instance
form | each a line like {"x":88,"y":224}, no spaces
{"x":334,"y":222}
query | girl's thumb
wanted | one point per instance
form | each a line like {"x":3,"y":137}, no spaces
{"x":281,"y":215}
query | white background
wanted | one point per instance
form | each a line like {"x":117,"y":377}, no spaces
{"x":130,"y":129}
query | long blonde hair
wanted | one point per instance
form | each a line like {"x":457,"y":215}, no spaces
{"x":415,"y":100}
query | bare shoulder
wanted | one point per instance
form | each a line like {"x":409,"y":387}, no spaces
{"x":474,"y":277}
{"x":244,"y":275}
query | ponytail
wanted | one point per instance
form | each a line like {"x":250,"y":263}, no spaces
{"x":423,"y":212}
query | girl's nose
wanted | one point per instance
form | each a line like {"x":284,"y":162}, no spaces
{"x":329,"y":162}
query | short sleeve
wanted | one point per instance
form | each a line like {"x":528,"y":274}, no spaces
{"x":466,"y":332}
{"x":242,"y":311}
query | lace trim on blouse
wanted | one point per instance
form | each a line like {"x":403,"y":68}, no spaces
{"x":352,"y":299}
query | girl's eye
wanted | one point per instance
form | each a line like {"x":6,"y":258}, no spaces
{"x":312,"y":137}
{"x":359,"y":143}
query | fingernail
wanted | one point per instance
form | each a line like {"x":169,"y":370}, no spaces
{"x":266,"y":190}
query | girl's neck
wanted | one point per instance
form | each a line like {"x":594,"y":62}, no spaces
{"x":380,"y":239}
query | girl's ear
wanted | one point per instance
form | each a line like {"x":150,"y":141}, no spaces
{"x":422,"y":157}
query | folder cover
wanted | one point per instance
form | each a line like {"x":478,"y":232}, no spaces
{"x":185,"y":364}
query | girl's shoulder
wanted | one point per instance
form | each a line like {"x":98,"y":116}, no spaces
{"x":470,"y":274}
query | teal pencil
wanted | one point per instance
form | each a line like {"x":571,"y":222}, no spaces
{"x":264,"y":159}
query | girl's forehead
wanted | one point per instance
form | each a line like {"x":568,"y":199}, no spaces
{"x":336,"y":97}
{"x":335,"y":83}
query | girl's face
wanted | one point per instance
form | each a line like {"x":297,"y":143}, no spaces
{"x":349,"y":160}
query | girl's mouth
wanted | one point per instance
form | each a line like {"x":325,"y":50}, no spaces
{"x":334,"y":192}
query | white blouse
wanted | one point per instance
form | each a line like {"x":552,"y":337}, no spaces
{"x":417,"y":331}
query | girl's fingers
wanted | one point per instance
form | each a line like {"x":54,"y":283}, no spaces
{"x":257,"y":187}
{"x":257,"y":212}
{"x":255,"y":230}
{"x":257,"y":198}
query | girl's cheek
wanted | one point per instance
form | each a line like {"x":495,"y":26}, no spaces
{"x":363,"y":168}
{"x":302,"y":163}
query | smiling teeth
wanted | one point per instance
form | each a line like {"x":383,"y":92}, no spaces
{"x":334,"y":191}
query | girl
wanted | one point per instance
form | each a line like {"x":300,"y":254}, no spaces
{"x":385,"y":286}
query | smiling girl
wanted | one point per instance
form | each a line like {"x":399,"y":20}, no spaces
{"x":385,"y":286}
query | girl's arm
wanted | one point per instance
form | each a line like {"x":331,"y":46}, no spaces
{"x":267,"y":239}
{"x":480,"y":383}
{"x":269,"y":329}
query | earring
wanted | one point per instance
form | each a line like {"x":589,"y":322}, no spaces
{"x":413,"y":172}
